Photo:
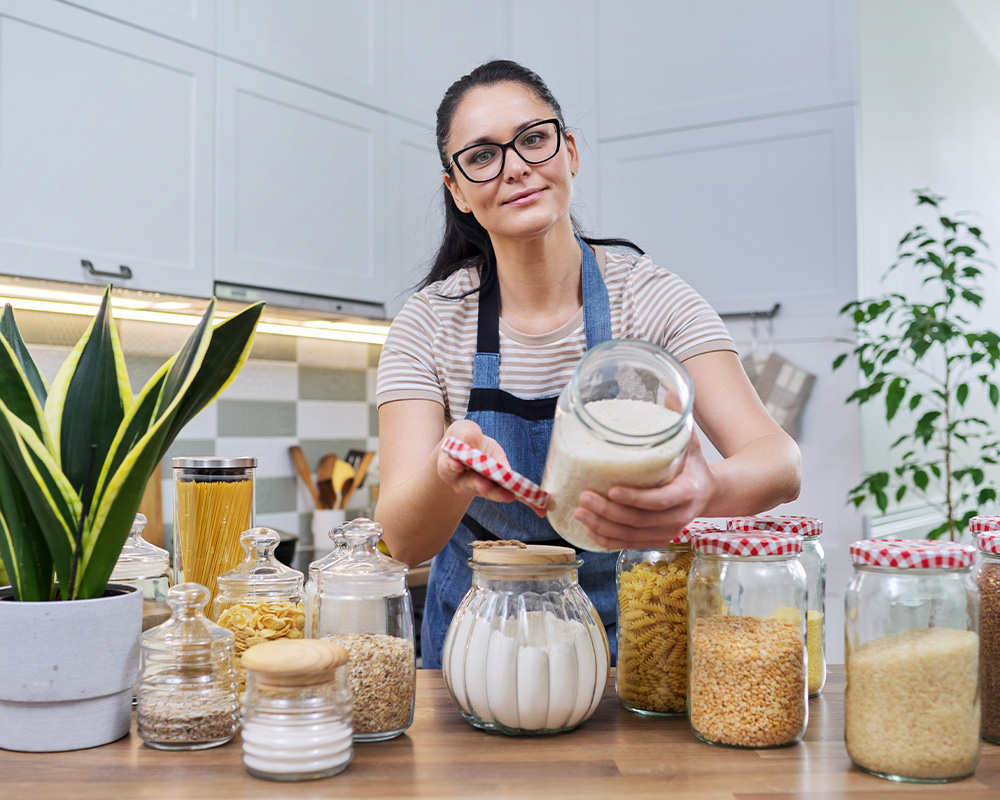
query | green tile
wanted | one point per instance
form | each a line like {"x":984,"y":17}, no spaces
{"x":141,"y":369}
{"x":316,"y":383}
{"x":186,"y":447}
{"x":256,"y":418}
{"x":374,"y":352}
{"x":269,"y":347}
{"x":273,"y":495}
{"x":372,"y":420}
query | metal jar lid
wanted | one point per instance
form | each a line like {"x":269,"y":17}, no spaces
{"x":212,"y":462}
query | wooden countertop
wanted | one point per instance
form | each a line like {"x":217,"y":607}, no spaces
{"x":614,"y":754}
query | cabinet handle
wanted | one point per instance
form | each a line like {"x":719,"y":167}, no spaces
{"x":123,"y":272}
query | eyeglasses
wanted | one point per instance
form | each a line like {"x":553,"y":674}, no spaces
{"x":535,"y":144}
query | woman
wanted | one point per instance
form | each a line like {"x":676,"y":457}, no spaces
{"x":481,"y":352}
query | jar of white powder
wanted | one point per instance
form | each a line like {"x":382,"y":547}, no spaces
{"x":911,"y":658}
{"x":526,"y":652}
{"x":624,"y":419}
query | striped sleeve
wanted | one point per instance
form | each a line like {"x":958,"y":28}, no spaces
{"x":406,"y":368}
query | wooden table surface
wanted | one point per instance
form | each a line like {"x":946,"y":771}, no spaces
{"x":614,"y":754}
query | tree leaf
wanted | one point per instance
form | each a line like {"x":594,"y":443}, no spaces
{"x":962,"y":393}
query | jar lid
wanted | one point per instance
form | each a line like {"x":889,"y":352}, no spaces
{"x":188,"y":629}
{"x":260,"y":570}
{"x":803,"y":526}
{"x":751,"y":545}
{"x":361,"y":562}
{"x":912,"y":554}
{"x":989,"y":542}
{"x":139,"y":558}
{"x":211,"y":462}
{"x":696,"y":527}
{"x":511,"y":552}
{"x":294,"y":662}
{"x":983,"y":524}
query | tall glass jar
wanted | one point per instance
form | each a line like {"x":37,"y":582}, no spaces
{"x":213,"y":505}
{"x":362,"y":603}
{"x":814,"y":563}
{"x":261,"y":599}
{"x":526,"y":652}
{"x":297,"y":710}
{"x":987,"y":533}
{"x":911,"y":702}
{"x":187,"y":685}
{"x":652,"y":671}
{"x":147,"y":567}
{"x":624,"y":418}
{"x":747,"y":684}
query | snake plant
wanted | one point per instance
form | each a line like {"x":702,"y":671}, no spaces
{"x":75,"y":456}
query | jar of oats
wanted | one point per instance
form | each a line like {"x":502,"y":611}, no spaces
{"x":652,"y":673}
{"x":987,"y":533}
{"x":911,"y":658}
{"x":747,"y":682}
{"x":362,"y":603}
{"x":814,"y":563}
{"x":624,"y":419}
{"x":261,"y":599}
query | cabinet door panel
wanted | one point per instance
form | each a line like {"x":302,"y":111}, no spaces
{"x":105,"y":151}
{"x":750,"y":214}
{"x":190,"y":21}
{"x":300,"y":188}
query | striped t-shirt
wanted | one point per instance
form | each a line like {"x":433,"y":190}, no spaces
{"x":430,"y":348}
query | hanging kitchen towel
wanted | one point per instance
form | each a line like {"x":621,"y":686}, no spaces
{"x":784,"y":389}
{"x":753,"y":364}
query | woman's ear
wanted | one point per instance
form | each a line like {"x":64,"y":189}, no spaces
{"x":456,"y":194}
{"x":574,"y":156}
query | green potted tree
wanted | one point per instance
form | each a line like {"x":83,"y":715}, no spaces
{"x":75,"y":458}
{"x":935,"y":373}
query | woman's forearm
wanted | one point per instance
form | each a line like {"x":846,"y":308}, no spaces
{"x":763,"y":474}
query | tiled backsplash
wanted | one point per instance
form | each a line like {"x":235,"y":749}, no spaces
{"x":315,"y":393}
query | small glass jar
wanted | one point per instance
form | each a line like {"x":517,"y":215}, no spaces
{"x":652,"y":671}
{"x":147,"y":567}
{"x":338,"y":549}
{"x":297,"y":710}
{"x":987,"y":533}
{"x":624,"y":418}
{"x":911,"y":700}
{"x":261,"y":600}
{"x":814,"y":563}
{"x":526,"y":652}
{"x":213,"y":505}
{"x":362,"y":603}
{"x":187,"y":685}
{"x":747,"y":676}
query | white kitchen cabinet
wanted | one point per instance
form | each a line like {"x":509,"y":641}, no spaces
{"x":301,"y":191}
{"x":106,"y":136}
{"x":191,"y":21}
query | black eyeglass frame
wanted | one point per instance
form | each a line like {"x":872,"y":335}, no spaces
{"x":509,"y":146}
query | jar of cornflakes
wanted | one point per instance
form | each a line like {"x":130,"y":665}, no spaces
{"x":262,"y":599}
{"x":814,"y":563}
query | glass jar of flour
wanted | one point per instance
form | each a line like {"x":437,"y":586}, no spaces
{"x":624,"y":419}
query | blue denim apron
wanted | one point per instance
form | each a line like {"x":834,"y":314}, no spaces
{"x":523,"y":429}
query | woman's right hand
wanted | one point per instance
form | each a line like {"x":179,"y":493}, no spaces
{"x":465,"y":481}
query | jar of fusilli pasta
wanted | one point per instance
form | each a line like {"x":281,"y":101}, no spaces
{"x":652,"y":672}
{"x":814,"y":563}
{"x":747,"y":653}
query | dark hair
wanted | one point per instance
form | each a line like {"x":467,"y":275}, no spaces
{"x":465,"y":242}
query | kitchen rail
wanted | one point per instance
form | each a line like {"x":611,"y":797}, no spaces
{"x":614,"y":754}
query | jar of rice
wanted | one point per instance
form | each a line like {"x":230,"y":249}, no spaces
{"x":623,"y":419}
{"x":911,"y":701}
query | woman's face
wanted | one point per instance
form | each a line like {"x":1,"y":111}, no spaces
{"x":525,"y":201}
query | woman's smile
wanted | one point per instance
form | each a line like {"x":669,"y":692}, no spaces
{"x":523,"y":198}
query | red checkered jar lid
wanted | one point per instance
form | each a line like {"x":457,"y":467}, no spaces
{"x":984,"y":524}
{"x":747,"y":545}
{"x":803,"y":526}
{"x":912,"y":554}
{"x":988,"y":542}
{"x":696,"y":527}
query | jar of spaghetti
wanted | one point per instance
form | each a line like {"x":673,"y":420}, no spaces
{"x":213,"y":505}
{"x":624,"y":419}
{"x":814,"y":563}
{"x":911,"y":659}
{"x":747,"y":665}
{"x":652,"y":673}
{"x":261,"y":599}
{"x":987,"y":533}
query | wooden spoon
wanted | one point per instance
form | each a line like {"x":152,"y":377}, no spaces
{"x":324,"y":482}
{"x":302,"y":468}
{"x":341,"y":472}
{"x":359,"y":477}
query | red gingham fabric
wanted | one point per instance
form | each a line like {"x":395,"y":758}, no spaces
{"x":984,"y":524}
{"x":912,"y":554}
{"x":989,"y":542}
{"x":524,"y":489}
{"x":732,"y":543}
{"x":803,"y":526}
{"x":696,"y":527}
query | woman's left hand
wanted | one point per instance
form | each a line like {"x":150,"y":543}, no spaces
{"x":636,"y":519}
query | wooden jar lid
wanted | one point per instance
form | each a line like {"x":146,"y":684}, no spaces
{"x":520,"y":553}
{"x":294,"y":662}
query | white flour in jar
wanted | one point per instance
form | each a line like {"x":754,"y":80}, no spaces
{"x":530,"y":673}
{"x":578,"y":460}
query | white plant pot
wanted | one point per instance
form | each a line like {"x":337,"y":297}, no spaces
{"x":67,"y":670}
